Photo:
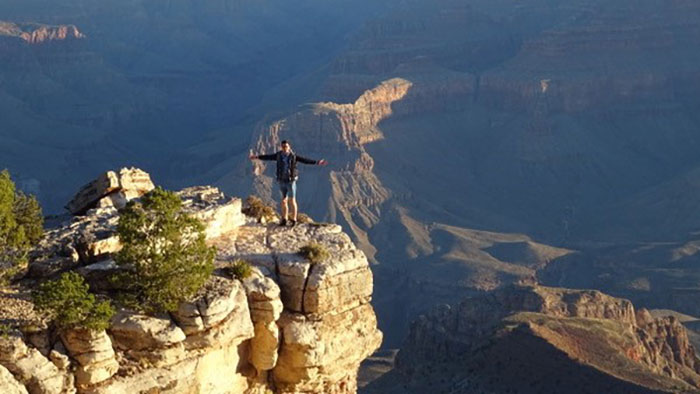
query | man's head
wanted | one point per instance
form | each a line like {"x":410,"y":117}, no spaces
{"x":286,"y":148}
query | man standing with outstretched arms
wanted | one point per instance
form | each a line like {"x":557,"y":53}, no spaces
{"x":287,"y":177}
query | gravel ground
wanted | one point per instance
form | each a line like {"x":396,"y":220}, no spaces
{"x":16,"y":308}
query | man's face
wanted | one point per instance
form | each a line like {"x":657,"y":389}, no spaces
{"x":285,"y":148}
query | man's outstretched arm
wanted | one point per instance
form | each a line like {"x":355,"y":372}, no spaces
{"x":304,"y":160}
{"x":263,"y":157}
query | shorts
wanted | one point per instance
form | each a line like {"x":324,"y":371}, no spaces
{"x":288,"y":189}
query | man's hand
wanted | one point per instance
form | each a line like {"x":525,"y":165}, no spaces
{"x":252,"y":156}
{"x":322,"y":162}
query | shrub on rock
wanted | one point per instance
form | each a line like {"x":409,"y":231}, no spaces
{"x":21,"y":227}
{"x":304,"y":218}
{"x":256,"y":208}
{"x":314,"y":252}
{"x":164,"y":253}
{"x":240,"y":269}
{"x":68,"y":302}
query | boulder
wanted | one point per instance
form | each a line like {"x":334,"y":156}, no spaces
{"x":235,"y":328}
{"x":132,"y":331}
{"x":9,"y":384}
{"x":31,"y":368}
{"x":94,"y":354}
{"x":219,"y":214}
{"x":92,"y":192}
{"x":213,"y":303}
{"x":263,"y":297}
{"x":111,"y":189}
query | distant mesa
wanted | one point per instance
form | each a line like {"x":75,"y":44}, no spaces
{"x":37,"y":33}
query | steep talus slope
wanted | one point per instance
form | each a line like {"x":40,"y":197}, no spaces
{"x":537,"y":339}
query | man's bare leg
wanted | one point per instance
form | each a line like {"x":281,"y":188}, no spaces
{"x":283,"y":208}
{"x":294,"y":209}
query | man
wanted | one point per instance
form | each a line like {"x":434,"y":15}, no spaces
{"x":287,"y":177}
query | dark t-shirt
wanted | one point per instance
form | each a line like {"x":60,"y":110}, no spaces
{"x":286,"y":165}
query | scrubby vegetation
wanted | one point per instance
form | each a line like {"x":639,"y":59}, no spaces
{"x":69,"y":303}
{"x":304,"y":218}
{"x":256,"y":208}
{"x":240,"y":269}
{"x":164,"y":253}
{"x":315,"y":253}
{"x":21,"y":227}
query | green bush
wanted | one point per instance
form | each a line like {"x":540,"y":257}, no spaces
{"x":21,"y":227}
{"x":164,"y":253}
{"x":240,"y":269}
{"x":255,"y":207}
{"x":68,"y":302}
{"x":315,"y":253}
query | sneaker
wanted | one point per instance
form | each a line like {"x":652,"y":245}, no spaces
{"x":283,"y":222}
{"x":292,"y":222}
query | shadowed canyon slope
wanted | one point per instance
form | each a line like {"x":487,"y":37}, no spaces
{"x":104,"y":84}
{"x":472,"y":144}
{"x":543,"y":340}
{"x":569,"y":122}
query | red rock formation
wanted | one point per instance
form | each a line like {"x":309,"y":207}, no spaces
{"x":52,"y":33}
{"x":587,"y":330}
{"x":38,"y":33}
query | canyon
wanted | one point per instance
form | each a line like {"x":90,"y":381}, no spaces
{"x":472,"y":145}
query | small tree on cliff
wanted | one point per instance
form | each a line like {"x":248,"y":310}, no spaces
{"x":164,"y":253}
{"x":21,"y":227}
{"x":67,"y":300}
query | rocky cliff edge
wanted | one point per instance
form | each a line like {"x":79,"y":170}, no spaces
{"x":290,"y":327}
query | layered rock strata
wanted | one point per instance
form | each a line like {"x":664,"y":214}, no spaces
{"x":290,"y":327}
{"x":111,"y":189}
{"x":586,"y":336}
{"x":339,"y":132}
{"x":33,"y":33}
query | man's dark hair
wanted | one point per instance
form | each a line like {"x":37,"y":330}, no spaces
{"x":284,"y":142}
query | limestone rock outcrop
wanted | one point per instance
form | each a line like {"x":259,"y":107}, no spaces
{"x":9,"y":383}
{"x":290,"y":327}
{"x":89,"y":241}
{"x":30,"y":368}
{"x":93,"y":352}
{"x":111,"y":189}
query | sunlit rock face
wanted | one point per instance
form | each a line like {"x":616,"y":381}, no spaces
{"x":528,"y":128}
{"x":290,"y":327}
{"x":541,"y":339}
{"x":37,"y":33}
